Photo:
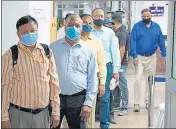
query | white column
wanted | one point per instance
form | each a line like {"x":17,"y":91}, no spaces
{"x":87,"y":9}
{"x":115,"y":6}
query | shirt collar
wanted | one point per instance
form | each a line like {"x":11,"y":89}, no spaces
{"x":90,"y":37}
{"x":36,"y":46}
{"x":102,"y":29}
{"x":78,"y":43}
{"x":151,"y":25}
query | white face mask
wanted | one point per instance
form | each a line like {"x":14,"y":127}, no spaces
{"x":124,"y":22}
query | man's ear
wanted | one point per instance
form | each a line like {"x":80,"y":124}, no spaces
{"x":18,"y":34}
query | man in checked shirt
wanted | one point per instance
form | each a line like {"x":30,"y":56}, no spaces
{"x":31,"y":84}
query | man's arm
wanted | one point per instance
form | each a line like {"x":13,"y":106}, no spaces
{"x":114,"y":53}
{"x":133,"y":40}
{"x":161,"y":43}
{"x":7,"y":75}
{"x":54,"y":86}
{"x":92,"y":84}
{"x":101,"y":64}
{"x":123,"y":42}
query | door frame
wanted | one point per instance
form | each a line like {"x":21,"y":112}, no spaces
{"x":170,"y":91}
{"x":170,"y":49}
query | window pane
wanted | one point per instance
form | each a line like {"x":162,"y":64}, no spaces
{"x":81,"y":11}
{"x":59,"y":15}
{"x":81,"y":6}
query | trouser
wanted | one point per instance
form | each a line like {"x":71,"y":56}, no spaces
{"x":111,"y":103}
{"x":123,"y":90}
{"x":97,"y":106}
{"x":146,"y":65}
{"x":104,"y":106}
{"x":70,"y":107}
{"x":90,"y":121}
{"x":21,"y":119}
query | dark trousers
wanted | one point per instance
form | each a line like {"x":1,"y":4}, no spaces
{"x":70,"y":107}
{"x":111,"y":104}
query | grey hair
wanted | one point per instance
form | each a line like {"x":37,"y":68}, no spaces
{"x":146,"y":10}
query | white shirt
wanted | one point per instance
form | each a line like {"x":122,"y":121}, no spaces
{"x":61,"y":33}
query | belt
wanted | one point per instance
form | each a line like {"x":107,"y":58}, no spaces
{"x":146,"y":55}
{"x":32,"y":111}
{"x":83,"y":92}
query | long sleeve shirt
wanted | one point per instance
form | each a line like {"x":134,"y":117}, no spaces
{"x":107,"y":36}
{"x":96,"y":46}
{"x":76,"y":68}
{"x":145,"y":41}
{"x":29,"y":84}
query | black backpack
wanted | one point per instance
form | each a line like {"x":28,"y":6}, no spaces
{"x":14,"y":50}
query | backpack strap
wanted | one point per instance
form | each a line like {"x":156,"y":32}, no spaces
{"x":46,"y":49}
{"x":14,"y":50}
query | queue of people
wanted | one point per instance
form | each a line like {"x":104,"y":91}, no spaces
{"x":67,"y":84}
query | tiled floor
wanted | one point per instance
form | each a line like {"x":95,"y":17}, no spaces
{"x":132,"y":120}
{"x":138,"y":120}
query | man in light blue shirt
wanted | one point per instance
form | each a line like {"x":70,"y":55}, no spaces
{"x":107,"y":36}
{"x":76,"y":66}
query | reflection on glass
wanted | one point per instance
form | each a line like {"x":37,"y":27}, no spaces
{"x":174,"y":50}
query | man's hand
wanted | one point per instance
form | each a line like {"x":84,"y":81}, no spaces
{"x":85,"y":112}
{"x":115,"y":76}
{"x":135,"y":62}
{"x":163,"y":60}
{"x":101,"y":90}
{"x":6,"y":124}
{"x":54,"y":121}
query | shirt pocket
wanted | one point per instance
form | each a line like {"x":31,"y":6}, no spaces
{"x":80,"y":63}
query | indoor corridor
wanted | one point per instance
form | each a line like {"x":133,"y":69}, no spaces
{"x":139,"y":119}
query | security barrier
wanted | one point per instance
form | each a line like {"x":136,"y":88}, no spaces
{"x":151,"y":81}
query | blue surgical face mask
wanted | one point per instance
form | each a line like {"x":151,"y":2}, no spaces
{"x":29,"y":39}
{"x":87,"y":28}
{"x":73,"y":32}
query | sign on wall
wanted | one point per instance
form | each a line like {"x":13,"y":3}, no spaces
{"x":41,"y":10}
{"x":157,"y":10}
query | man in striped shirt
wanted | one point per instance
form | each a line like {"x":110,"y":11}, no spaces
{"x":31,"y":84}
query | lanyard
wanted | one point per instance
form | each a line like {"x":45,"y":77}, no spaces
{"x":30,"y":55}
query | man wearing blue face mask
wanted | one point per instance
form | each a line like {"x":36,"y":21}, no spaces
{"x":97,"y":47}
{"x":76,"y":65}
{"x":29,"y":81}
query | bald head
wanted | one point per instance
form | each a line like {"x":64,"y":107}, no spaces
{"x":72,"y":19}
{"x":98,"y":14}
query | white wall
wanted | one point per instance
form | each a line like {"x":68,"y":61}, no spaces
{"x":13,"y":10}
{"x":42,"y":11}
{"x":137,"y":6}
